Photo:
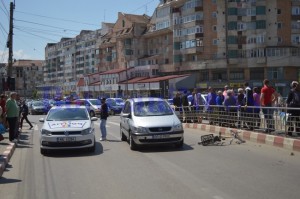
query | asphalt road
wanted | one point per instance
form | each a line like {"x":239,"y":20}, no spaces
{"x":234,"y":171}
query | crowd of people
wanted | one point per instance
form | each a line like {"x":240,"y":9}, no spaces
{"x":240,"y":108}
{"x":13,"y":111}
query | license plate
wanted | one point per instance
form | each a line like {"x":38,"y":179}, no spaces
{"x":66,"y":139}
{"x":162,"y":136}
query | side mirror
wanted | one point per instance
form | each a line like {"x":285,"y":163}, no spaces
{"x":42,"y":120}
{"x":126,"y":115}
{"x":94,"y":119}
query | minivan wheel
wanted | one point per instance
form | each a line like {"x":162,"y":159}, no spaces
{"x":132,"y":144}
{"x":43,"y":151}
{"x":179,"y":144}
{"x":92,"y":149}
{"x":123,"y":137}
{"x":92,"y":113}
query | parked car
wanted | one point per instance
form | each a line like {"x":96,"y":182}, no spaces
{"x":38,"y":107}
{"x":67,"y":127}
{"x":147,"y":121}
{"x":93,"y":106}
{"x":115,"y":105}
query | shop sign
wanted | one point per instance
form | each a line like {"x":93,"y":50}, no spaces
{"x":141,"y":85}
{"x":280,"y":84}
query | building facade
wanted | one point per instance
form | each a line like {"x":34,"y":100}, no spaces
{"x":217,"y":42}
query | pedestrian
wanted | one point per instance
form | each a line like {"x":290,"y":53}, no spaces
{"x":177,"y":102}
{"x":256,"y":111}
{"x":267,"y":97}
{"x":12,"y":114}
{"x":186,"y":108}
{"x":249,"y":103}
{"x":293,"y":103}
{"x":241,"y":107}
{"x":24,"y":114}
{"x":3,"y":99}
{"x":225,"y":91}
{"x":230,"y":108}
{"x":211,"y":104}
{"x":103,"y":118}
{"x":220,"y":103}
{"x":197,"y":105}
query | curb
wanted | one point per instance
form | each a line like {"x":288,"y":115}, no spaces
{"x":272,"y":140}
{"x":5,"y":157}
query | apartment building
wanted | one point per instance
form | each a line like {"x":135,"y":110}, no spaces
{"x":28,"y":74}
{"x":216,"y":42}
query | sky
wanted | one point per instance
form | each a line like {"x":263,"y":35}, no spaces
{"x":38,"y":22}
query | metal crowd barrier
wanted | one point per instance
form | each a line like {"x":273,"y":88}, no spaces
{"x":268,"y":119}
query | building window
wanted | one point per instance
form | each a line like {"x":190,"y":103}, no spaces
{"x":257,"y":74}
{"x":219,"y":76}
{"x":236,"y":75}
{"x":215,"y":28}
{"x":275,"y":73}
{"x":204,"y":76}
{"x":279,"y":25}
{"x":260,"y":10}
{"x":278,"y":11}
{"x":215,"y":42}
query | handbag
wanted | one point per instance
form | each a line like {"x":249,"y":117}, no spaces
{"x":2,"y":129}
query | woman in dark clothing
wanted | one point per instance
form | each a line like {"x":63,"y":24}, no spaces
{"x":24,"y":114}
{"x":293,"y":101}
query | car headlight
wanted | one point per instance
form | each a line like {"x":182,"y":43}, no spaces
{"x":178,"y":127}
{"x":45,"y":132}
{"x":87,"y":131}
{"x":139,"y":129}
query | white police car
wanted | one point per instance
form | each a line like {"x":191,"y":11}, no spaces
{"x":67,"y":127}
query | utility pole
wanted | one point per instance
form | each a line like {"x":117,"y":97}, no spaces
{"x":10,"y":49}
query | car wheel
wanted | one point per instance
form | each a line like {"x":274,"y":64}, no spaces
{"x":92,"y":113}
{"x":179,"y":144}
{"x":43,"y":151}
{"x":132,"y":144}
{"x":92,"y":149}
{"x":112,"y":112}
{"x":123,"y":137}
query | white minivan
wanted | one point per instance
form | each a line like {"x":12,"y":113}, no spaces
{"x":146,"y":121}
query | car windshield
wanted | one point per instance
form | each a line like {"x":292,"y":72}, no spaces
{"x":119,"y":101}
{"x":152,"y":108}
{"x":95,"y":102}
{"x":38,"y":103}
{"x":67,"y":114}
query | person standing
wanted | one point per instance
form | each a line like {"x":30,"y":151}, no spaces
{"x":293,"y":102}
{"x":12,"y":114}
{"x":249,"y":101}
{"x":256,"y":111}
{"x":177,"y":102}
{"x":24,"y":114}
{"x":230,"y":108}
{"x":103,"y":118}
{"x":211,"y":104}
{"x":186,"y":108}
{"x":2,"y":104}
{"x":267,"y":97}
{"x":220,"y":103}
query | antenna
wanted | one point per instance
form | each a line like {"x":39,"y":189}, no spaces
{"x":104,"y":15}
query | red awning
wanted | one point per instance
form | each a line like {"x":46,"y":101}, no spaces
{"x":80,"y":82}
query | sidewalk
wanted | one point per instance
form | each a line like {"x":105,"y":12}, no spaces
{"x":262,"y":138}
{"x":7,"y":149}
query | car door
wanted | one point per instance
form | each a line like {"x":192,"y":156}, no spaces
{"x":125,"y":118}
